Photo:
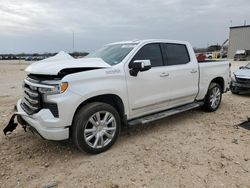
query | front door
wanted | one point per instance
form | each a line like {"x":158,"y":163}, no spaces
{"x":147,"y":91}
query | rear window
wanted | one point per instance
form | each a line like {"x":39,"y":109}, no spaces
{"x":177,"y":54}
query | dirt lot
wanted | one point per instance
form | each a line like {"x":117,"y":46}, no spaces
{"x":193,"y":149}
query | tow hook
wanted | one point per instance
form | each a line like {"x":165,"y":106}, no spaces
{"x":12,"y":125}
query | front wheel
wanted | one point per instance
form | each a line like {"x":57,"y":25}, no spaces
{"x":213,"y":97}
{"x":96,"y":127}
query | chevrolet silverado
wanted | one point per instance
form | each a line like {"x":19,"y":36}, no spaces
{"x":126,"y":83}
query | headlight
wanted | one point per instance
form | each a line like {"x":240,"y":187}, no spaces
{"x":233,"y":78}
{"x":55,"y":89}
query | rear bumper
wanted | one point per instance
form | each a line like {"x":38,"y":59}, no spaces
{"x":238,"y":87}
{"x":45,"y":124}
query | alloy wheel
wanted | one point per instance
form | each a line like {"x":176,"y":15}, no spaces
{"x":215,"y":97}
{"x":100,"y":129}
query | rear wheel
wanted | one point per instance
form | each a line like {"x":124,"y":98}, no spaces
{"x":213,"y":97}
{"x":96,"y":127}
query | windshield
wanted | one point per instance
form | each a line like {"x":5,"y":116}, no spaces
{"x":247,"y":66}
{"x":113,"y":54}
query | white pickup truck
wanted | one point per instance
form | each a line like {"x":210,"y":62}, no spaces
{"x":124,"y":83}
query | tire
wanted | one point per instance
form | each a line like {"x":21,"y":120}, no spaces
{"x":213,"y":97}
{"x":234,"y":92}
{"x":95,"y":133}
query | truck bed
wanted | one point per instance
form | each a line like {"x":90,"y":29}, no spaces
{"x":211,"y":70}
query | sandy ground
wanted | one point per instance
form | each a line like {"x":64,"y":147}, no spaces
{"x":192,"y":149}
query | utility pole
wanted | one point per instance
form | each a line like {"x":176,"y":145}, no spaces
{"x":245,"y":22}
{"x":73,"y":41}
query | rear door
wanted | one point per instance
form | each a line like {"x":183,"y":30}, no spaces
{"x":183,"y":74}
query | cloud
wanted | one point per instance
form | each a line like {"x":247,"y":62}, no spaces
{"x":32,"y":25}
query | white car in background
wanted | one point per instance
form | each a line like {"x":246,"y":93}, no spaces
{"x":241,"y":80}
{"x":209,"y":55}
{"x":241,"y":55}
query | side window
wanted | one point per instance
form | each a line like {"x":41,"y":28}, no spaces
{"x":150,"y":52}
{"x":177,"y":54}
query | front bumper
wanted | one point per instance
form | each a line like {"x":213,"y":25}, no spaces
{"x":239,"y":87}
{"x":44,"y":123}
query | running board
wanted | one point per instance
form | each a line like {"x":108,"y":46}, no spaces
{"x":163,"y":114}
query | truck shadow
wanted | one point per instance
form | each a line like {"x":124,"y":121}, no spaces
{"x":29,"y":146}
{"x":170,"y":122}
{"x":245,"y":94}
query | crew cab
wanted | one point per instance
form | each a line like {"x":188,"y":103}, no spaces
{"x":124,"y":83}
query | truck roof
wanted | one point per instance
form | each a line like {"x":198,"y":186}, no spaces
{"x":137,"y":41}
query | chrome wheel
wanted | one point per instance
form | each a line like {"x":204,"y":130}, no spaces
{"x":100,"y":129}
{"x":215,"y":97}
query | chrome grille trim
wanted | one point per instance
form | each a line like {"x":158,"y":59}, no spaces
{"x":30,"y":92}
{"x":37,"y":85}
{"x":28,"y":104}
{"x":32,"y":99}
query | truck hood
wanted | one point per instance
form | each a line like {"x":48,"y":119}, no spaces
{"x":63,"y":61}
{"x":242,"y":73}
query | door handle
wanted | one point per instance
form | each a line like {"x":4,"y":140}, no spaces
{"x":193,"y":71}
{"x":164,"y":74}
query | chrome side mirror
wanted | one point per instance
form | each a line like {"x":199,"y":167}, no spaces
{"x":139,"y":66}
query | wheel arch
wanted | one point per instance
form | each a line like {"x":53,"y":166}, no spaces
{"x":220,"y":81}
{"x":207,"y":106}
{"x":111,"y":99}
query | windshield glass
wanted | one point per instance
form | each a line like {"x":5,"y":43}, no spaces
{"x":113,"y":54}
{"x":248,"y":66}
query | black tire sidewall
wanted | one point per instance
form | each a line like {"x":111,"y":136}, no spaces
{"x":207,"y":105}
{"x":81,"y":119}
{"x":234,"y":92}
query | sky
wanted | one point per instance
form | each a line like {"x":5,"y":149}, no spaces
{"x":36,"y":26}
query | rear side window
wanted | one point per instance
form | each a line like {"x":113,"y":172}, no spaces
{"x":150,"y":52}
{"x":177,"y":54}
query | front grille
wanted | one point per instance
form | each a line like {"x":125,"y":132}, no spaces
{"x":32,"y":100}
{"x":243,"y":80}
